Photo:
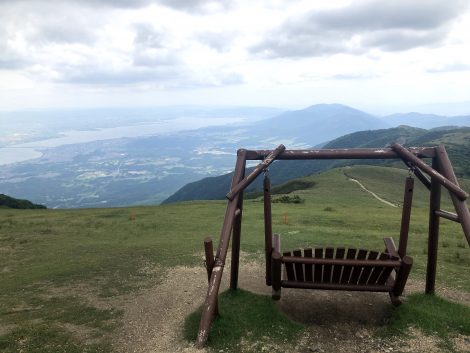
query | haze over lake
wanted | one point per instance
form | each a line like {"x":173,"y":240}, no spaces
{"x":30,"y":150}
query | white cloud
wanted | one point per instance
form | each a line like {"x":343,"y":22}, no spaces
{"x":362,"y":26}
{"x":229,"y":52}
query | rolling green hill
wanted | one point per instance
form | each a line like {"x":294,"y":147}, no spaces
{"x":11,"y":202}
{"x":456,"y":140}
{"x":69,"y":275}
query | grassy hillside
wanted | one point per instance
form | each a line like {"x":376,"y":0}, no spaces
{"x":10,"y":202}
{"x":66,"y":270}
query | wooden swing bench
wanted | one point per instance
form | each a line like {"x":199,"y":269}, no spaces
{"x":332,"y":268}
{"x":340,"y":269}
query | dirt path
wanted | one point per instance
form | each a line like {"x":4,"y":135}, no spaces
{"x":335,"y":321}
{"x":370,"y":192}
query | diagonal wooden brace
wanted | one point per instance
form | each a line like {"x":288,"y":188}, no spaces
{"x":210,"y":303}
{"x":460,"y":206}
{"x":407,"y":156}
{"x":419,"y":174}
{"x":257,"y":171}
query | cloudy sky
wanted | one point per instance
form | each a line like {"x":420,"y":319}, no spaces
{"x":372,"y":54}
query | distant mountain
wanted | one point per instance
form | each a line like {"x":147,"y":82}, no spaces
{"x":457,"y":141}
{"x":316,"y":124}
{"x":10,"y":202}
{"x":426,"y":121}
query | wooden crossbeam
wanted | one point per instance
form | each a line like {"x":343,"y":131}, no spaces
{"x":447,"y":215}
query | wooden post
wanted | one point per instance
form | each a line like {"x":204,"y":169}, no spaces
{"x":276,"y":275}
{"x":402,"y":275}
{"x":433,"y":238}
{"x":236,"y":238}
{"x":216,"y":277}
{"x":276,"y":267}
{"x":405,"y":217}
{"x":268,"y":229}
{"x":209,"y":251}
{"x":460,"y":206}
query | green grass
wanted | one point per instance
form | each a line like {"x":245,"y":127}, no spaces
{"x":100,"y":249}
{"x":114,"y":252}
{"x":43,"y":338}
{"x":251,"y":317}
{"x":433,"y":316}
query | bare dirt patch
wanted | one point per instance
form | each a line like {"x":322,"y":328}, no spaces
{"x":448,"y":293}
{"x":153,"y":320}
{"x":5,"y":329}
{"x":335,"y":321}
{"x":462,"y":343}
{"x":82,"y":333}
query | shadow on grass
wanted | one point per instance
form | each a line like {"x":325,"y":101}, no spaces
{"x":253,"y":318}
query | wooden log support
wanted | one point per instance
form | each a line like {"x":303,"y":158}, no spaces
{"x":276,"y":275}
{"x":342,"y":153}
{"x":394,"y":299}
{"x":257,"y":171}
{"x":209,"y":251}
{"x":268,"y":228}
{"x":420,"y":175}
{"x":402,"y":275}
{"x":461,"y":207}
{"x":407,"y":156}
{"x":447,"y":215}
{"x":216,"y":277}
{"x":433,"y":237}
{"x":210,"y":261}
{"x":236,"y":239}
{"x":405,"y":216}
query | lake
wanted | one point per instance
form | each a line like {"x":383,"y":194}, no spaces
{"x":31,"y":150}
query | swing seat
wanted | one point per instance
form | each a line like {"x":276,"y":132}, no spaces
{"x":340,"y":269}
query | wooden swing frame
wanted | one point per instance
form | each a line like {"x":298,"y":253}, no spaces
{"x":440,"y":174}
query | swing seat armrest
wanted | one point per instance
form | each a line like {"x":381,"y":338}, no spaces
{"x":390,"y":247}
